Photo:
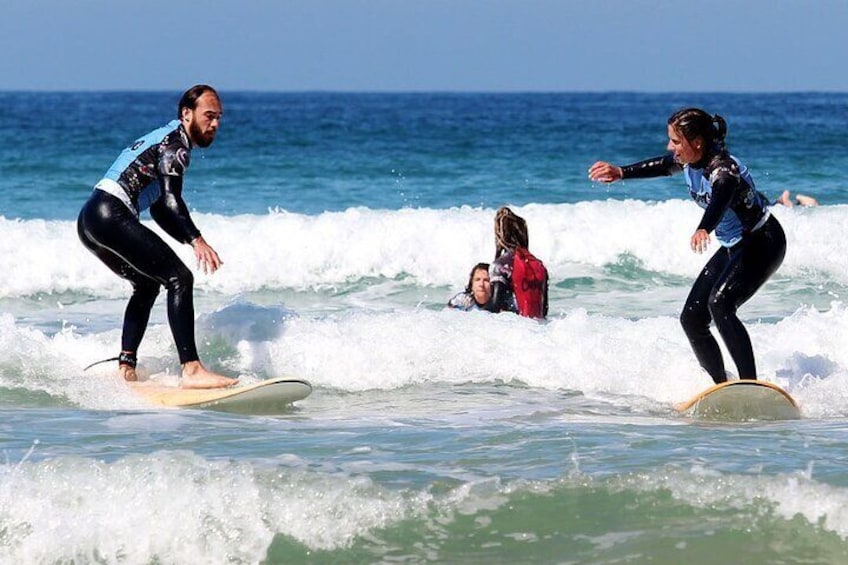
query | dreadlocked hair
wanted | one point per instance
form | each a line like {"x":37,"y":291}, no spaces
{"x":694,"y":122}
{"x":510,"y":231}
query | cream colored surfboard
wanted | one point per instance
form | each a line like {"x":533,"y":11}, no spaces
{"x":742,"y":400}
{"x":272,"y":396}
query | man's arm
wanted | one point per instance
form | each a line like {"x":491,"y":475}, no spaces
{"x":171,"y":213}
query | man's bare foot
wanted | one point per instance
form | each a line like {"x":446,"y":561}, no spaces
{"x":195,"y":375}
{"x":805,"y":200}
{"x":127,"y":372}
{"x":785,"y":200}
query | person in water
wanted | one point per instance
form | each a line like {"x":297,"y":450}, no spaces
{"x":800,"y":199}
{"x":752,"y":241}
{"x":477,"y":292}
{"x":531,"y":297}
{"x":149,"y":174}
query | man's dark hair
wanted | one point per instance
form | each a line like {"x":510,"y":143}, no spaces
{"x":190,"y":96}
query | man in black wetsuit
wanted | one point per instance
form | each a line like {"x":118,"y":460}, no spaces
{"x":149,"y":175}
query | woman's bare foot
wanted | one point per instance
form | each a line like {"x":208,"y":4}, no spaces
{"x":127,"y":372}
{"x":195,"y":375}
{"x":785,"y":199}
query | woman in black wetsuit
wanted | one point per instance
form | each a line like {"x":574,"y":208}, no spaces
{"x":752,"y":241}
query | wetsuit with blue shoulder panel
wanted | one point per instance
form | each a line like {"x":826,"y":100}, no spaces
{"x":148,"y":174}
{"x":753,"y":244}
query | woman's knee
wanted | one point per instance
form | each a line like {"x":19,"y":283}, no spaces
{"x":721,"y":306}
{"x":694,"y":320}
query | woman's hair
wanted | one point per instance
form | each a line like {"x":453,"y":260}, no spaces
{"x":190,"y":96}
{"x":692,"y":123}
{"x":477,"y":267}
{"x":510,"y":231}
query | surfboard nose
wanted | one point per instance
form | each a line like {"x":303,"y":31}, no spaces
{"x":743,"y":400}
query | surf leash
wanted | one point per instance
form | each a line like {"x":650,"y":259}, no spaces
{"x":124,"y":359}
{"x":101,"y":362}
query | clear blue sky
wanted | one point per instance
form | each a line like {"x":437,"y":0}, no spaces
{"x":425,"y":45}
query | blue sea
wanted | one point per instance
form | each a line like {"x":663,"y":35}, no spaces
{"x":345,"y":222}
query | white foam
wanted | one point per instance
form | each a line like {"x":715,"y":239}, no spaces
{"x":647,"y":360}
{"x":245,"y":504}
{"x":146,"y":508}
{"x":433,"y":247}
{"x":786,"y":495}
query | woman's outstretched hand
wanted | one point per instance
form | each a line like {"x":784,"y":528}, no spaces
{"x":605,"y":172}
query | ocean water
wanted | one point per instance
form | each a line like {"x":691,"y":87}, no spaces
{"x":345,"y":222}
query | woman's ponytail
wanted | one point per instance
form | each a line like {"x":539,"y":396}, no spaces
{"x":720,"y":126}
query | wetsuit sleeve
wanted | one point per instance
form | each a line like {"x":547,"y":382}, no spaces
{"x":724,"y":185}
{"x":461,"y":301}
{"x":662,"y":166}
{"x":500,"y":273}
{"x":498,"y":302}
{"x":170,"y":210}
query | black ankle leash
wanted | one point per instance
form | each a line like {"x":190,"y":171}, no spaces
{"x":122,"y":359}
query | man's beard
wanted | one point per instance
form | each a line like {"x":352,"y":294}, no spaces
{"x":200,"y":138}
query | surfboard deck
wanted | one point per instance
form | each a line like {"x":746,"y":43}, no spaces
{"x":268,"y":397}
{"x":742,"y":400}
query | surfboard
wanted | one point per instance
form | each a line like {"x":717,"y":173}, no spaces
{"x":268,"y":397}
{"x":742,"y":400}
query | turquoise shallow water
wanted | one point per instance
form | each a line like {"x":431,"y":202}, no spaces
{"x":465,"y":473}
{"x":345,"y":222}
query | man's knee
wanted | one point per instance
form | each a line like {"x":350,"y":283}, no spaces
{"x":146,"y":290}
{"x":182,"y":279}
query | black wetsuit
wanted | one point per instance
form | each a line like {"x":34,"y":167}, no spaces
{"x":500,"y":280}
{"x":753,"y":247}
{"x":149,"y":173}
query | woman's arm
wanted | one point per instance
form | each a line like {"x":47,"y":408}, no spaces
{"x":661,"y":166}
